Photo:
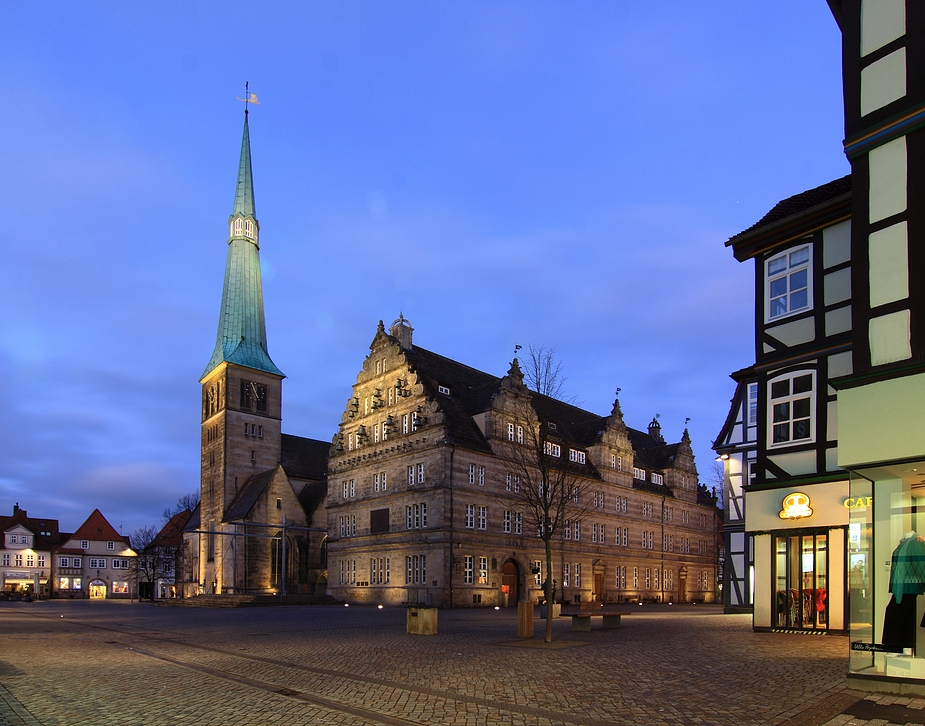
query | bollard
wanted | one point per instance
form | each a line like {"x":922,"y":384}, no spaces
{"x":525,"y":619}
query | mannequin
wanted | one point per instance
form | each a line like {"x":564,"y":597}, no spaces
{"x":907,"y":578}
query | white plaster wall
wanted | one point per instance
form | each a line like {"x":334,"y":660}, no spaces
{"x":762,"y":609}
{"x":882,"y":21}
{"x":889,"y":265}
{"x":889,"y":337}
{"x":883,"y":81}
{"x":831,"y":433}
{"x":795,"y":333}
{"x":888,"y":179}
{"x":840,"y":365}
{"x":836,"y":244}
{"x":837,"y":286}
{"x":838,"y":321}
{"x":796,"y":463}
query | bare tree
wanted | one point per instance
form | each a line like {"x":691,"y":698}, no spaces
{"x":550,"y":489}
{"x":187,"y":502}
{"x":148,"y":564}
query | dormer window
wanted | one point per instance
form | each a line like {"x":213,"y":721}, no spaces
{"x":657,"y":479}
{"x":84,"y":544}
{"x":552,"y":425}
{"x":576,"y":456}
{"x":249,"y":228}
{"x":444,"y":390}
{"x":238,"y":224}
{"x":788,"y":283}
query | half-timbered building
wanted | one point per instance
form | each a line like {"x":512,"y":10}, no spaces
{"x":779,"y":443}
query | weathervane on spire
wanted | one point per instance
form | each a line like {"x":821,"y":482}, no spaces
{"x":517,"y":348}
{"x":248,"y":97}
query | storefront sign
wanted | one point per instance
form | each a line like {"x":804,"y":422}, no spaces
{"x":874,"y":647}
{"x":858,"y":502}
{"x":795,"y":506}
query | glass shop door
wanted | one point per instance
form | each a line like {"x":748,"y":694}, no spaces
{"x":800,"y":574}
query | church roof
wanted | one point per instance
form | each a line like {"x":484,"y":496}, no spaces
{"x":304,"y":458}
{"x":242,"y":330}
{"x":248,"y":495}
{"x":171,"y":534}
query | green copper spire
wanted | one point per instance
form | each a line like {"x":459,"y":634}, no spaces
{"x":242,"y":330}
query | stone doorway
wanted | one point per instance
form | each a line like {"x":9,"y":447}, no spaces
{"x":510,"y":577}
{"x":97,"y":590}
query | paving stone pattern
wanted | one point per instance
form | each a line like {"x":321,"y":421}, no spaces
{"x":70,"y":663}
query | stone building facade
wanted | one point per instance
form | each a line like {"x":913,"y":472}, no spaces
{"x":428,"y":502}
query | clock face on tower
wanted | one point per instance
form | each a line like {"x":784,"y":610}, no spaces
{"x":253,"y":396}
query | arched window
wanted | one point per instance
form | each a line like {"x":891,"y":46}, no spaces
{"x":249,"y":228}
{"x":237,"y":226}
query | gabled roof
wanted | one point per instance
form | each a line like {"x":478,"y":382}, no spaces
{"x":171,"y":534}
{"x":794,"y":217}
{"x":45,"y":531}
{"x":194,"y":521}
{"x":98,"y":529}
{"x":472,"y":391}
{"x":304,"y":458}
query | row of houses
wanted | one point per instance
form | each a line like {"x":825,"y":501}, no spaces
{"x":37,"y":560}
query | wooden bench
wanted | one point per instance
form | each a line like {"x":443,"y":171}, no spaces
{"x":581,"y":621}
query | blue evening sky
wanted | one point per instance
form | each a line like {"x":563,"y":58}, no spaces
{"x":549,"y":173}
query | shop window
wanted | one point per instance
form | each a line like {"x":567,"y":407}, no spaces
{"x":791,"y":402}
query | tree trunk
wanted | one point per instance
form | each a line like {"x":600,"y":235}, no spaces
{"x":549,"y":603}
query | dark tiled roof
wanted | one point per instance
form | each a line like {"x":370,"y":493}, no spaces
{"x":471,"y":392}
{"x":798,"y":203}
{"x":248,"y":494}
{"x":311,"y":496}
{"x":37,"y":526}
{"x":304,"y":458}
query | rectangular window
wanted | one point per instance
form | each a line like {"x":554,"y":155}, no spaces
{"x":483,"y":570}
{"x":577,"y":531}
{"x":110,"y":545}
{"x":469,"y":570}
{"x":383,"y":479}
{"x":379,"y":521}
{"x":472,"y":473}
{"x":789,"y":284}
{"x":404,"y":424}
{"x":84,"y":544}
{"x":420,"y":473}
{"x":639,"y":474}
{"x":510,"y":432}
{"x":481,"y":476}
{"x":520,"y":434}
{"x":375,"y":482}
{"x":376,"y":434}
{"x":577,"y":574}
{"x":538,"y":572}
{"x":41,"y":561}
{"x":566,"y":575}
{"x":568,"y":529}
{"x":75,"y":562}
{"x":752,"y":419}
{"x":577,"y":456}
{"x":5,"y":560}
{"x":508,"y":519}
{"x":516,"y":482}
{"x":791,"y":399}
{"x":30,"y":560}
{"x":648,"y":578}
{"x":507,"y":482}
{"x":470,"y":516}
{"x":483,"y":517}
{"x":594,"y":533}
{"x":411,"y":476}
{"x":346,"y":490}
{"x":519,"y":523}
{"x":551,"y":449}
{"x":657,"y":479}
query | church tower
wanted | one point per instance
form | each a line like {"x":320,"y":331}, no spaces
{"x":241,"y":390}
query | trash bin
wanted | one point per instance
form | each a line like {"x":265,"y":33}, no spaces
{"x":421,"y":621}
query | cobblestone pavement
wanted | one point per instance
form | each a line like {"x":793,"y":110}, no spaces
{"x":74,"y":663}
